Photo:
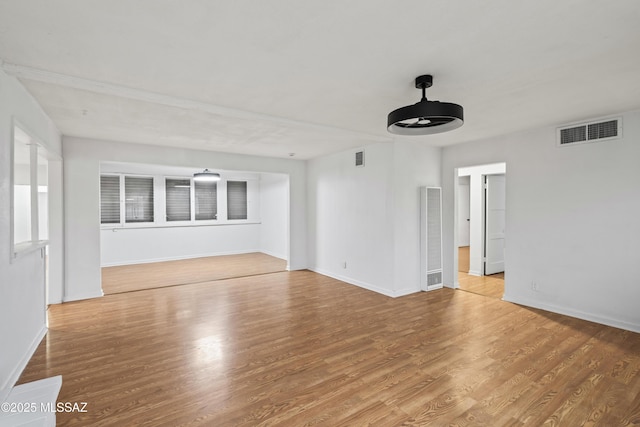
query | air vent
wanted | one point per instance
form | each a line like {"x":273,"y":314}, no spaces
{"x":434,"y":279}
{"x":431,"y":238}
{"x":360,"y":158}
{"x":590,"y":132}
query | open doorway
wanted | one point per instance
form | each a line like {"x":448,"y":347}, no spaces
{"x":160,"y":226}
{"x":480,"y":222}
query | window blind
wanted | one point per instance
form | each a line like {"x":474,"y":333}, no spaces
{"x":206,"y":197}
{"x":109,"y":199}
{"x":178,"y":199}
{"x":236,"y":200}
{"x":138,"y":199}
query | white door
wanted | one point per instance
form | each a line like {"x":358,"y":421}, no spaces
{"x":464,"y":212}
{"x":494,"y":224}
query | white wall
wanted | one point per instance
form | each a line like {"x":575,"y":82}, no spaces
{"x":274,"y":200}
{"x":571,"y":218}
{"x":350,"y":217}
{"x":476,"y":211}
{"x":122,"y":246}
{"x":22,"y":292}
{"x":369,"y":217}
{"x":415,"y":165}
{"x":82,"y":222}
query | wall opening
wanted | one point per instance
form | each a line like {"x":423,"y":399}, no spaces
{"x":480,"y":207}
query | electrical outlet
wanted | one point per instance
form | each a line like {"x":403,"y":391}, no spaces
{"x":534,"y":286}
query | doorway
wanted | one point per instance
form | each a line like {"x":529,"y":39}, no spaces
{"x":480,"y":222}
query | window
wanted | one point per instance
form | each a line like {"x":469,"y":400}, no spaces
{"x":157,"y":201}
{"x":178,"y":202}
{"x":109,"y":199}
{"x":236,"y":200}
{"x":138,"y":199}
{"x":206,"y":195}
{"x":29,"y":214}
{"x":22,"y":198}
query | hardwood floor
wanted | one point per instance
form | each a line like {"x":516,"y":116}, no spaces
{"x":298,"y":348}
{"x":128,"y":278}
{"x":490,"y":286}
{"x":463,"y":259}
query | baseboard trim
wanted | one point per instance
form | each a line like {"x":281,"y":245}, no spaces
{"x":364,"y":285}
{"x":273,"y":254}
{"x":17,"y":371}
{"x":616,"y":323}
{"x":405,"y":291}
{"x":474,"y":273}
{"x":82,"y":296}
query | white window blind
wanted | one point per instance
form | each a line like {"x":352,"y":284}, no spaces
{"x":236,"y":200}
{"x":109,"y":199}
{"x":138,"y":199}
{"x":178,"y":199}
{"x":206,"y":197}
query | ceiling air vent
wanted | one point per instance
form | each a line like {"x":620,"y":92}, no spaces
{"x":590,"y":132}
{"x":360,"y":158}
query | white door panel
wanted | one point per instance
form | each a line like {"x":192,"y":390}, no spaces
{"x":495,"y":209}
{"x":464,"y":212}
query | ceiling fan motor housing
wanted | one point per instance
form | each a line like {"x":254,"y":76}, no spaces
{"x":425,"y":117}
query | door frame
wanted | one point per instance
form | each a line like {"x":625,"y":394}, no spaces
{"x":476,"y":170}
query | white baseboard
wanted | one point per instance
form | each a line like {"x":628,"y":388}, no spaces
{"x":17,"y":370}
{"x":273,"y":254}
{"x":474,"y":273}
{"x":405,"y":291}
{"x":163,"y":259}
{"x":567,"y":311}
{"x":81,"y":296}
{"x":361,"y":284}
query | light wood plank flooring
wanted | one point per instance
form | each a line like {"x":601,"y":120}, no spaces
{"x":463,"y":259}
{"x":490,"y":286}
{"x":128,"y":278}
{"x":298,"y":348}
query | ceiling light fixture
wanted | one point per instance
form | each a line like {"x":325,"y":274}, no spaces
{"x":206,"y":176}
{"x":425,"y":117}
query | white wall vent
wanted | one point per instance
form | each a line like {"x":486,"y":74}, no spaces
{"x":431,"y":238}
{"x":360,"y":158}
{"x":596,"y":131}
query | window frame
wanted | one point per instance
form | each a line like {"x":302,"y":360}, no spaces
{"x":166,"y":204}
{"x":246,"y":200}
{"x":194,"y":217}
{"x":123,"y":223}
{"x":37,"y":150}
{"x":120,"y":181}
{"x":160,"y":203}
{"x":123,"y":196}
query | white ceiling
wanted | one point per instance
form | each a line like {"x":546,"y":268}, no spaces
{"x":314,"y":77}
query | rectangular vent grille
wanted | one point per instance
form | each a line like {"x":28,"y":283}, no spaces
{"x":590,"y":132}
{"x":603,"y":130}
{"x":431,"y":238}
{"x":360,"y":158}
{"x":434,"y":242}
{"x":434,"y":279}
{"x":571,"y":135}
